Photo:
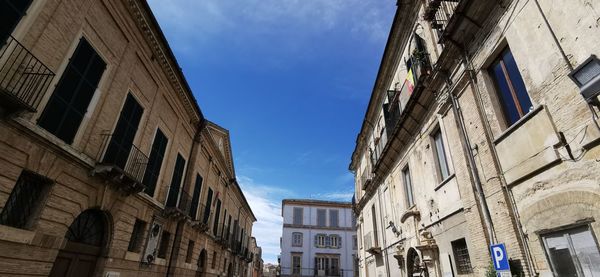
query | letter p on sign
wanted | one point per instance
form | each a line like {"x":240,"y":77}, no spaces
{"x":499,"y":257}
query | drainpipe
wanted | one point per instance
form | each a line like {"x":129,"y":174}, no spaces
{"x":385,"y":250}
{"x":488,"y":133}
{"x":466,"y":144}
{"x":189,"y":172}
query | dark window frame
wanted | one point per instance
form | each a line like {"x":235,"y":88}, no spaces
{"x":73,"y":94}
{"x":26,"y":192}
{"x":462,"y":258}
{"x":137,"y":236}
{"x":155,"y":162}
{"x":163,"y":246}
{"x":190,"y":251}
{"x":511,"y":92}
{"x":439,"y":152}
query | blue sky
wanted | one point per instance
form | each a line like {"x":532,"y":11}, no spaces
{"x":290,"y":79}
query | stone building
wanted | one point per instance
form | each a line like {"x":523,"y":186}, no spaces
{"x":318,"y":238}
{"x":476,"y":133}
{"x":108,"y":166}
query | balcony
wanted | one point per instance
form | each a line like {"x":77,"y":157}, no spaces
{"x":23,"y":78}
{"x":123,"y":165}
{"x":366,"y":178}
{"x":439,"y":13}
{"x":199,"y":225}
{"x":178,"y":203}
{"x":371,"y":244}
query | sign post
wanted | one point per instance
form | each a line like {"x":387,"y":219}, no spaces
{"x":500,"y":260}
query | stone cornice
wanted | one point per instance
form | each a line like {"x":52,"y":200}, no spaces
{"x":161,"y":51}
{"x":314,"y":227}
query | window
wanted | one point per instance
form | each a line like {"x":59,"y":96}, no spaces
{"x":298,"y":214}
{"x":69,"y":102}
{"x":461,"y":256}
{"x":328,"y":265}
{"x":354,"y":242}
{"x":321,"y":214}
{"x":214,"y":260}
{"x":408,"y":189}
{"x":510,"y":86}
{"x":176,"y":181}
{"x":208,"y":204}
{"x":297,"y":239}
{"x":374,"y":219}
{"x":164,"y":245}
{"x":135,"y":242}
{"x":190,"y":252}
{"x":335,"y":241}
{"x":12,"y":11}
{"x":296,"y":264}
{"x":217,"y":215}
{"x":334,"y":218}
{"x":321,"y":240}
{"x":440,"y":154}
{"x":573,"y":252}
{"x":121,"y":140}
{"x":196,"y":197}
{"x":25,"y":200}
{"x":157,"y":153}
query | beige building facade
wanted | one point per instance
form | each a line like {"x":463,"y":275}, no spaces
{"x":475,"y":135}
{"x":108,"y":166}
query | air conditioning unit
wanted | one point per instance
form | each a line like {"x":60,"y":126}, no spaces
{"x":152,"y":243}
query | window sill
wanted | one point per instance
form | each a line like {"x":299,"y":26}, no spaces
{"x":518,"y":124}
{"x":78,"y":155}
{"x":445,"y":181}
{"x":132,"y":256}
{"x":12,"y":234}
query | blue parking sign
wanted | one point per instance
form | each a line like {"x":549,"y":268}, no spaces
{"x":499,"y":257}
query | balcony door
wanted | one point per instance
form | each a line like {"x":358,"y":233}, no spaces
{"x":121,"y":140}
{"x":11,"y":12}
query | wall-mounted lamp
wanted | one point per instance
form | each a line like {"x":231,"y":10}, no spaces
{"x":587,"y":77}
{"x":394,"y":229}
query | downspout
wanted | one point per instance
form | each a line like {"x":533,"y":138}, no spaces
{"x":466,"y":144}
{"x":385,"y":249}
{"x":488,"y":132}
{"x":188,"y":176}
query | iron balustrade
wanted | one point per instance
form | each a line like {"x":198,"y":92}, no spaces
{"x":23,"y":78}
{"x":127,"y":158}
{"x":179,"y":199}
{"x":366,"y":178}
{"x":439,"y":13}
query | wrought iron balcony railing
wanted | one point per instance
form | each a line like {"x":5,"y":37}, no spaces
{"x":439,"y":13}
{"x":178,"y":202}
{"x":365,"y":179}
{"x":23,"y":78}
{"x":122,"y":163}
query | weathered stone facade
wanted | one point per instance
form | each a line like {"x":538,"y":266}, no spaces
{"x":130,"y":221}
{"x":520,"y":170}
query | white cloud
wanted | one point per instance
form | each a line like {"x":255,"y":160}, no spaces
{"x":265,"y":202}
{"x":345,"y":196}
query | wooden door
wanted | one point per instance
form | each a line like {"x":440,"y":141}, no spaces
{"x":85,"y":239}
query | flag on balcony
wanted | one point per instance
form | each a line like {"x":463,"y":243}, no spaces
{"x":410,"y":81}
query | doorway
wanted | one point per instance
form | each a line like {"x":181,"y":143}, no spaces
{"x":86,"y":238}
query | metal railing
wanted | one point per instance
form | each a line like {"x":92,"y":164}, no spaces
{"x":127,"y":157}
{"x":179,"y":199}
{"x":23,"y":78}
{"x":366,"y":178}
{"x":439,"y":13}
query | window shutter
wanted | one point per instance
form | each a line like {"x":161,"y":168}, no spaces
{"x":316,"y":240}
{"x":339,"y":242}
{"x":327,"y":241}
